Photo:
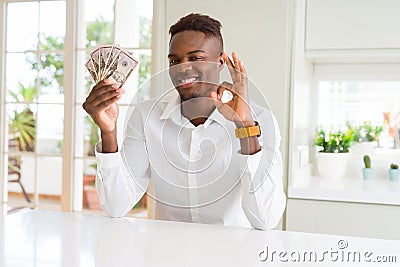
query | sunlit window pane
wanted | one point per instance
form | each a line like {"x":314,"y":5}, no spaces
{"x":84,"y":81}
{"x":49,"y":173}
{"x":22,"y":26}
{"x":21,"y":77}
{"x":52,"y":18}
{"x":357,"y":101}
{"x":145,"y":31}
{"x":50,"y":124}
{"x":99,"y":19}
{"x":51,"y":73}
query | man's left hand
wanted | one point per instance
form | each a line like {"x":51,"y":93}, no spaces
{"x":237,"y":109}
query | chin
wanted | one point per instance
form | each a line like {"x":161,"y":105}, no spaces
{"x":185,"y":96}
{"x":196,"y":90}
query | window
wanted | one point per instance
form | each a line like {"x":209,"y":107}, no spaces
{"x":358,"y":94}
{"x":335,"y":96}
{"x":39,"y":86}
{"x":34,"y":103}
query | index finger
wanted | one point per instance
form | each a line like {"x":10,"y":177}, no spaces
{"x":100,"y":85}
{"x":231,"y":67}
{"x":103,"y":85}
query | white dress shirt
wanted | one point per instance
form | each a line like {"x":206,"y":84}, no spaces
{"x":198,"y":174}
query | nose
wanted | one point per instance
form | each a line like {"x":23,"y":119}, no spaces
{"x":184,"y":67}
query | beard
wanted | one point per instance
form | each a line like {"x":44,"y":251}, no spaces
{"x":199,"y":89}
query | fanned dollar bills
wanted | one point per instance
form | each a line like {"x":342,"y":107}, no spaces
{"x":111,"y":62}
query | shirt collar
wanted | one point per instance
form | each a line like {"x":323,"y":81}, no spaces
{"x":215,"y":116}
{"x":173,"y":110}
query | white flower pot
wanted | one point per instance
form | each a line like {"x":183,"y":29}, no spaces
{"x":332,"y":165}
{"x":363,"y":148}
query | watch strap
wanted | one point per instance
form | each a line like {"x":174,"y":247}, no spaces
{"x":248,"y":131}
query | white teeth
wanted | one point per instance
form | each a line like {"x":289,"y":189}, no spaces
{"x":189,"y":80}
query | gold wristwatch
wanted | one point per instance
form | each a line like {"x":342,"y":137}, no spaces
{"x":248,"y":131}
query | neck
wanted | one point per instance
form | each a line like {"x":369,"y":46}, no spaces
{"x":197,"y":110}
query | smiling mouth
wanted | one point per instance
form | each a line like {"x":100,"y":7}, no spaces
{"x":187,"y":82}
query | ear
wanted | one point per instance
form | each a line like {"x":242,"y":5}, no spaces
{"x":221,"y":62}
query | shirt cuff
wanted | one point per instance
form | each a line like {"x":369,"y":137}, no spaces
{"x":249,"y":163}
{"x":106,"y":160}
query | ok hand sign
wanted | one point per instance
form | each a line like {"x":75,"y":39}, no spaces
{"x":237,"y":109}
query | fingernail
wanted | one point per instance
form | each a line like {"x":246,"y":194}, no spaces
{"x":115,"y":86}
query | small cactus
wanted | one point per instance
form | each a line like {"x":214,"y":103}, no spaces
{"x":367,"y":162}
{"x":394,"y":166}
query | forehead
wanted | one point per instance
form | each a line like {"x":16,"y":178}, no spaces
{"x":186,"y":41}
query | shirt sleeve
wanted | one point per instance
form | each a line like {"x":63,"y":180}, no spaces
{"x":120,"y":183}
{"x":263,"y":198}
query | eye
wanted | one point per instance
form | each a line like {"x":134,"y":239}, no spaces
{"x":196,"y":58}
{"x":173,"y":62}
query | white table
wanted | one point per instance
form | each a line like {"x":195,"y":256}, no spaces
{"x":46,"y":238}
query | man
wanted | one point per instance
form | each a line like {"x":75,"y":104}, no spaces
{"x":210,"y":161}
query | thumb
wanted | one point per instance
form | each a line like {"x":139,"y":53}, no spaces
{"x":217,"y":101}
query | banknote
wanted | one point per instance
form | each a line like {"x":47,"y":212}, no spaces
{"x":111,"y":62}
{"x":123,"y":67}
{"x":92,"y":69}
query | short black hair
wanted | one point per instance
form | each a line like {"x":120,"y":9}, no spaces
{"x":198,"y":22}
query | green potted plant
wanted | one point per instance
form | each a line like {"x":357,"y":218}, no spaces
{"x":333,"y":150}
{"x":365,"y":132}
{"x":394,"y":172}
{"x":367,"y":171}
{"x":364,"y":137}
{"x":22,"y":126}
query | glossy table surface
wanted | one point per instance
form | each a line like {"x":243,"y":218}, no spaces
{"x":47,"y":238}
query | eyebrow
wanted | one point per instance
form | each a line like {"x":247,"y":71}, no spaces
{"x":191,"y":52}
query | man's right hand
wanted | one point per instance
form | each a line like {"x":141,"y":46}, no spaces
{"x":101,"y":105}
